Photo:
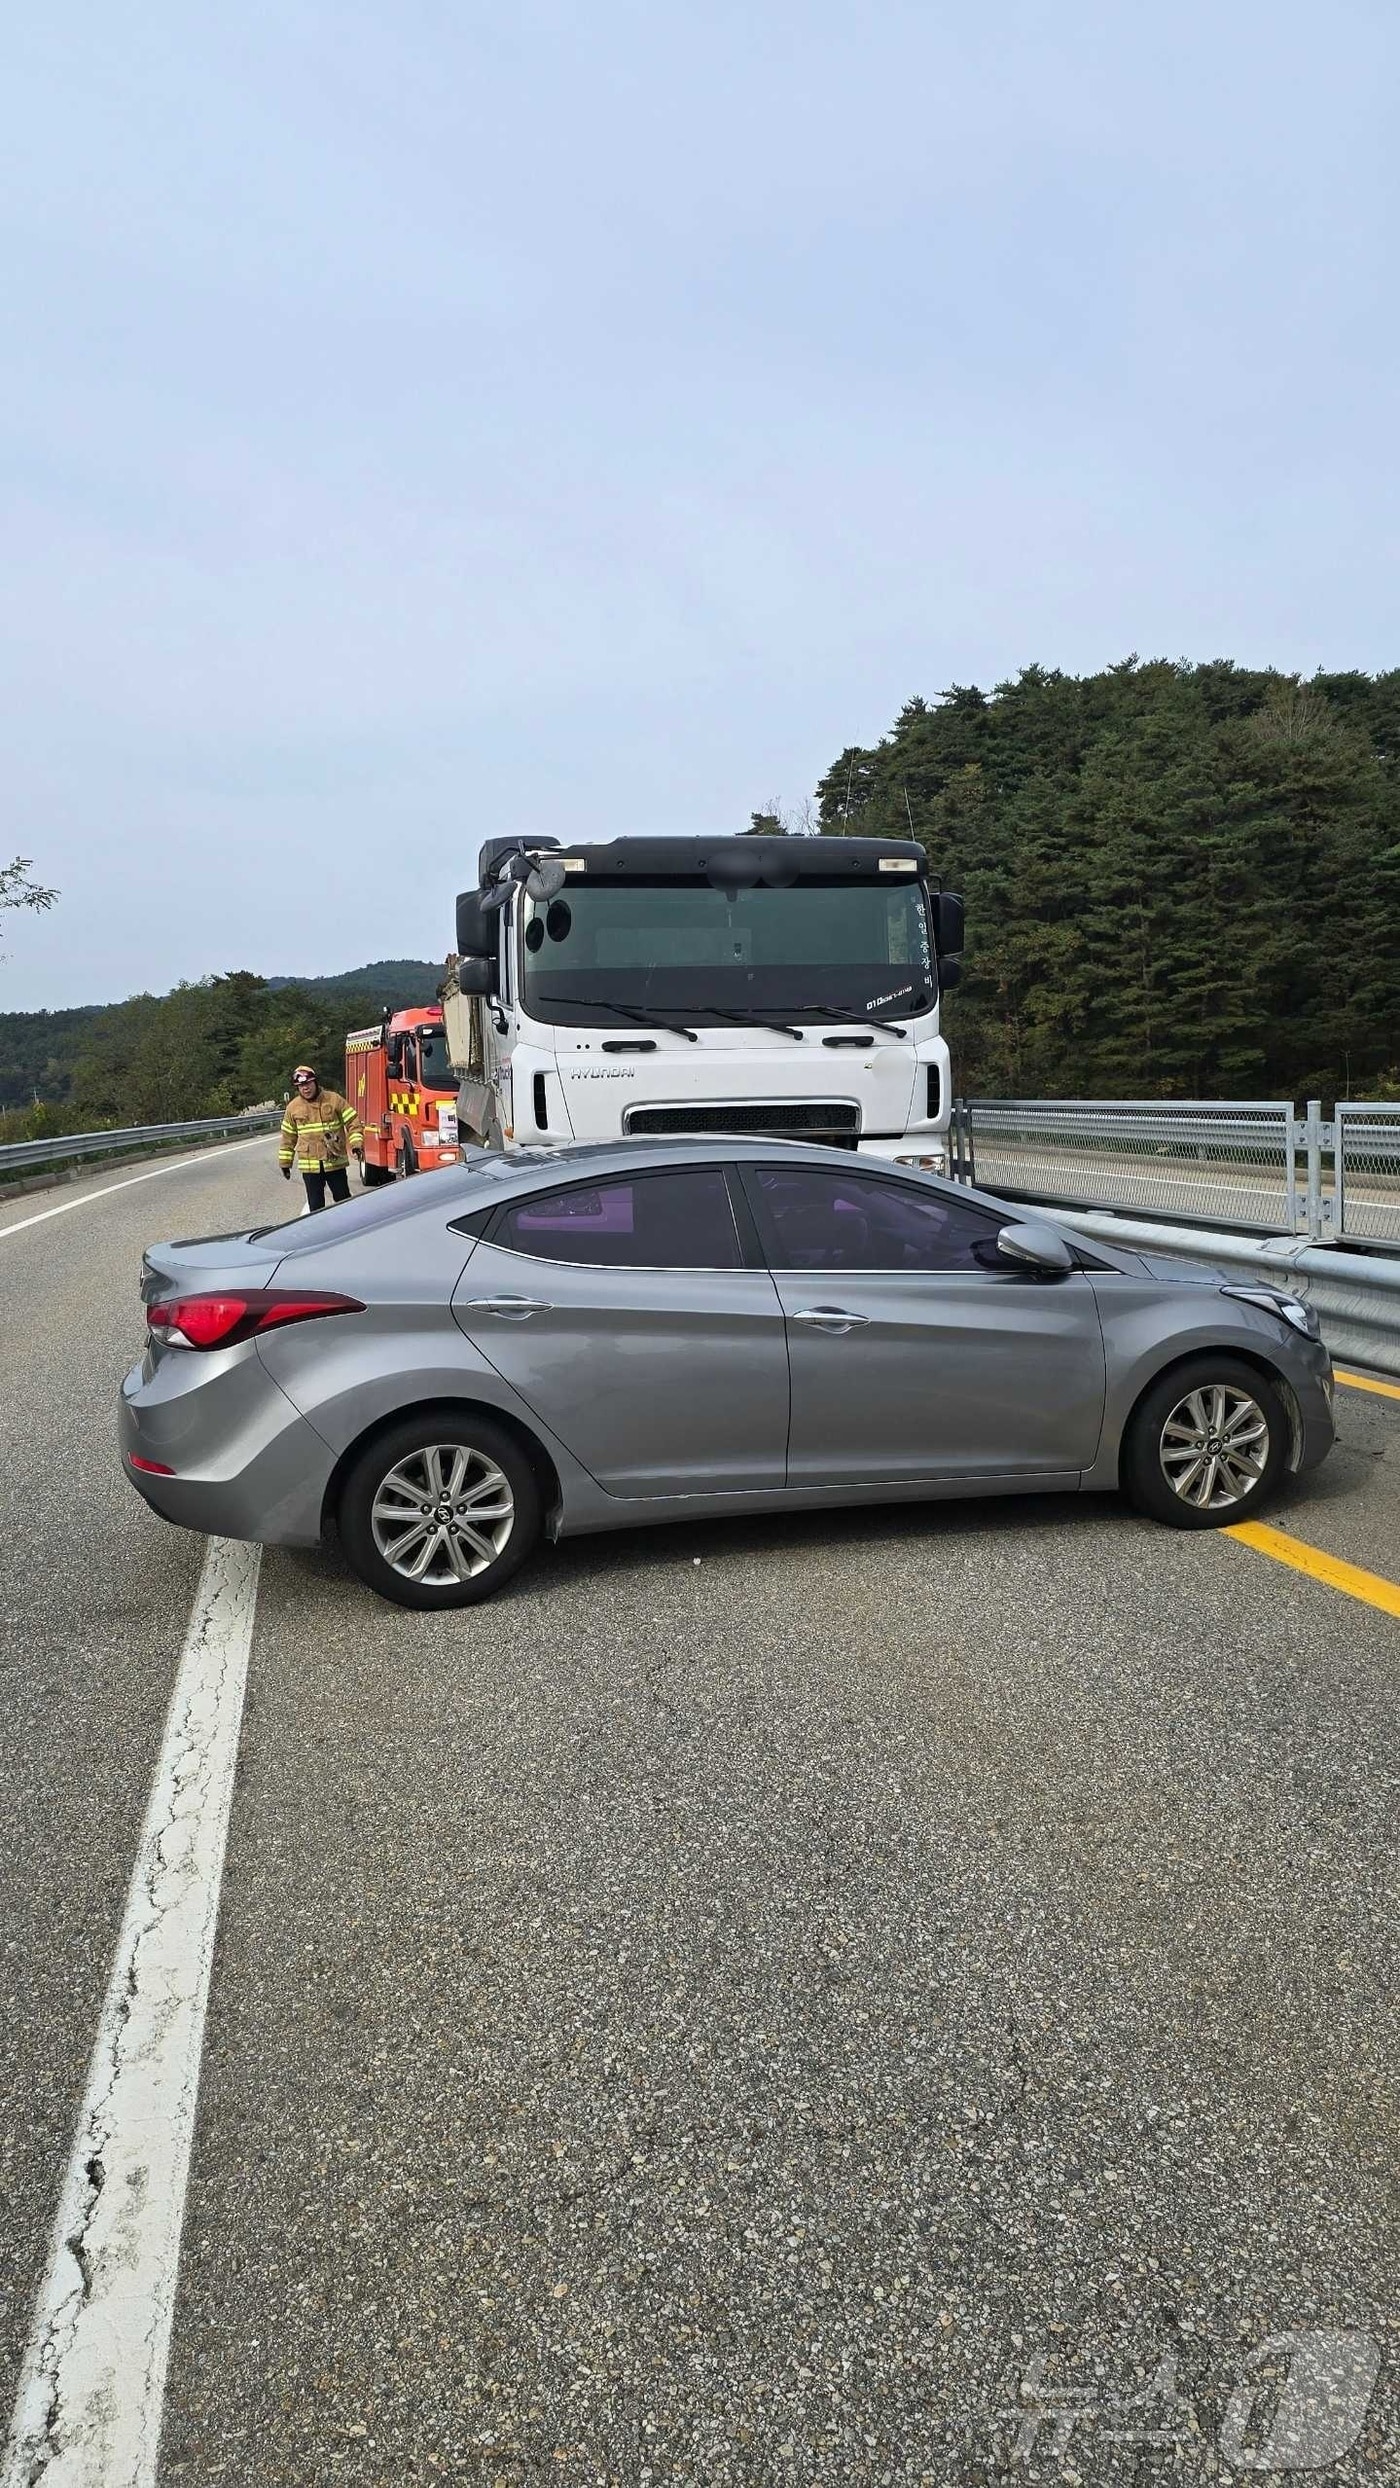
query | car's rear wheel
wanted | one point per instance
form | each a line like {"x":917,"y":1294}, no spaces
{"x":1207,"y":1444}
{"x":439,"y":1511}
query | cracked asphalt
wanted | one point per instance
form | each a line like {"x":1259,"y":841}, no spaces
{"x":897,"y":1996}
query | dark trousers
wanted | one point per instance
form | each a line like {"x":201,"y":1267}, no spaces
{"x":338,"y":1177}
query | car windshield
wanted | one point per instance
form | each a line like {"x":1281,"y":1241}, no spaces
{"x":437,"y":1072}
{"x":854,"y":949}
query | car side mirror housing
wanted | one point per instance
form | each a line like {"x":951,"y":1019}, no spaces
{"x":1031,"y":1246}
{"x":948,"y":922}
{"x":949,"y":974}
{"x":476,"y":976}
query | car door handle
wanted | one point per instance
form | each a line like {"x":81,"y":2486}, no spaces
{"x":508,"y":1308}
{"x":833,"y":1318}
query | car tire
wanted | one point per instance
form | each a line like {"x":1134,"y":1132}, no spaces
{"x":1206,"y":1445}
{"x":406,"y":1476}
{"x":407,"y":1163}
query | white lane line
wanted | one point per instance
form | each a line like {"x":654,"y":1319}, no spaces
{"x":172,"y":1166}
{"x":88,"y":2411}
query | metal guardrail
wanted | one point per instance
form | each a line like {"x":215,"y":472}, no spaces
{"x":1242,"y":1164}
{"x":27,"y":1157}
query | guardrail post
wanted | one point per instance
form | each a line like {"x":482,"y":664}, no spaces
{"x":1329,"y":1138}
{"x":1312,"y":1135}
{"x":1339,"y":1172}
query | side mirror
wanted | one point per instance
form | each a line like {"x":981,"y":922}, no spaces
{"x":477,"y":976}
{"x":1031,"y":1246}
{"x":476,"y":929}
{"x":949,"y":974}
{"x":948,"y":922}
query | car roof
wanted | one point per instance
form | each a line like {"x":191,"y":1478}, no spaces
{"x":590,"y":1156}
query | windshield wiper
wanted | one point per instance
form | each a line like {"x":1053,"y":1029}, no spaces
{"x":623,"y":1010}
{"x":852,"y":1019}
{"x":751,"y":1019}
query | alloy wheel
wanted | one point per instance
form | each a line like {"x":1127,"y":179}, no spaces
{"x":1214,"y":1447}
{"x":442,"y":1514}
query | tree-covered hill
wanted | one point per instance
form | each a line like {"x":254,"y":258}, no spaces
{"x":402,"y":983}
{"x":1181,"y":880}
{"x":208,"y":1048}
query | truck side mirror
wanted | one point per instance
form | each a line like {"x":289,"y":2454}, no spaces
{"x":477,"y":932}
{"x":949,"y":974}
{"x":477,"y":976}
{"x":948,"y":924}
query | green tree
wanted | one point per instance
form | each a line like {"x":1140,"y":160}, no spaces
{"x":210,"y":1048}
{"x":1180,"y":878}
{"x":17,"y":890}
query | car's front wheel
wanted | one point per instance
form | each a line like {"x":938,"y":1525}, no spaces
{"x":440,"y":1510}
{"x":1207,"y":1444}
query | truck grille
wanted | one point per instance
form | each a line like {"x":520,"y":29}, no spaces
{"x":814,"y":1118}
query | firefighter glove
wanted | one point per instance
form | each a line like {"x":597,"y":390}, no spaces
{"x":287,"y":1174}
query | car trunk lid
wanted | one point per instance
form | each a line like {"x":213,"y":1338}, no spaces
{"x":208,"y":1262}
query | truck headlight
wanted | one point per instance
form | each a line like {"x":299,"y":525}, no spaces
{"x":1290,"y":1309}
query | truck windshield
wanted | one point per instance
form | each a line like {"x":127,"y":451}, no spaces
{"x":858,"y":949}
{"x":437,"y":1072}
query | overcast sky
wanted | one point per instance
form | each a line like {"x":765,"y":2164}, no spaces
{"x":431,"y":418}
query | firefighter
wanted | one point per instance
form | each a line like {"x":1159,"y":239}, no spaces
{"x":319,"y":1130}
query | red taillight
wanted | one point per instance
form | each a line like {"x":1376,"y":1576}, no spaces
{"x":153,"y":1468}
{"x":222,"y":1321}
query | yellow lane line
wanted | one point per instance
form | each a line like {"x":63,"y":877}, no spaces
{"x":1329,"y":1569}
{"x":1363,"y":1382}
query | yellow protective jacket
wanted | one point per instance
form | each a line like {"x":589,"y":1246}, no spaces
{"x":318,"y":1132}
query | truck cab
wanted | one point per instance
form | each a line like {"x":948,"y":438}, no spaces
{"x":787,"y":987}
{"x":402,"y":1086}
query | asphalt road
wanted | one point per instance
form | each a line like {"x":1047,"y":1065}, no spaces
{"x":798,"y":2001}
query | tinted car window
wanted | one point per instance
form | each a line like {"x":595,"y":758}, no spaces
{"x":819,"y":1221}
{"x":680,"y":1221}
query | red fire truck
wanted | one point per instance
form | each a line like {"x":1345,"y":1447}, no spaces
{"x":404,"y":1090}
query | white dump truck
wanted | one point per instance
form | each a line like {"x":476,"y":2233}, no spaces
{"x":782,"y":986}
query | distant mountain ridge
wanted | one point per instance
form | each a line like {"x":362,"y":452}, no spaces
{"x":401,"y":983}
{"x":38,"y":1049}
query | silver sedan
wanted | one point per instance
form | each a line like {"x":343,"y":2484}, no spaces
{"x":578,"y":1339}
